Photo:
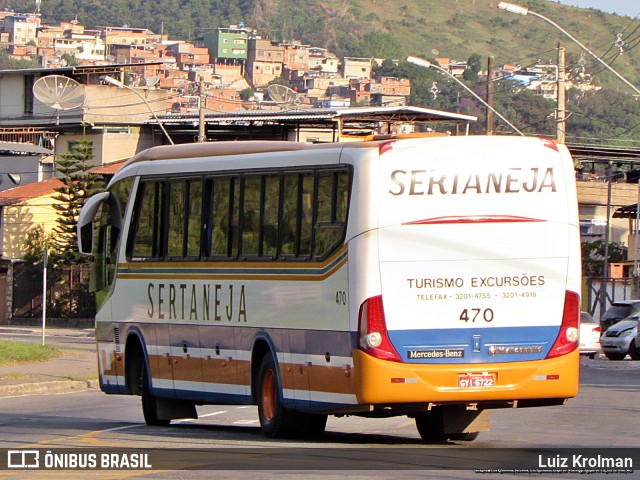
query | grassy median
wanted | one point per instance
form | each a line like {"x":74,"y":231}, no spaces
{"x":25,"y":352}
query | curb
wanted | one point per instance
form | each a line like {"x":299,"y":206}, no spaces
{"x":47,"y":387}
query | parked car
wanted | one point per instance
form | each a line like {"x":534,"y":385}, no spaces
{"x":619,"y":311}
{"x":620,"y":339}
{"x":589,"y":335}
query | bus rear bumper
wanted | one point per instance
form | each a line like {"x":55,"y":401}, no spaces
{"x":529,"y":383}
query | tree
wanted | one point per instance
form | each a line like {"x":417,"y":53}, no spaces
{"x":70,"y":60}
{"x":34,"y":244}
{"x":247,"y":94}
{"x":474,"y":67}
{"x":593,"y":256}
{"x":78,"y":185}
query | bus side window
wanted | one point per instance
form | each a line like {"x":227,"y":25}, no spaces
{"x":288,"y":227}
{"x":147,"y":238}
{"x":306,"y":216}
{"x":252,"y":193}
{"x":177,"y":206}
{"x":185,"y":205}
{"x":342,"y":198}
{"x":270,"y":214}
{"x":224,"y":217}
{"x":333,"y":193}
{"x":194,"y":218}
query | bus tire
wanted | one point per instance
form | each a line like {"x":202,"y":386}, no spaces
{"x":312,"y":424}
{"x":149,"y":404}
{"x":464,"y":437}
{"x":430,"y":426}
{"x":275,"y":420}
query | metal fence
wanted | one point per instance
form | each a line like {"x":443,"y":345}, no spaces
{"x":67,"y":294}
{"x":617,"y":289}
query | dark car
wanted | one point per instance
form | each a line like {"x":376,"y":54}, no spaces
{"x":619,"y":311}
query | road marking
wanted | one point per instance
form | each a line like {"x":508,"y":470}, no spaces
{"x":246,"y":422}
{"x":185,"y":420}
{"x":609,"y":385}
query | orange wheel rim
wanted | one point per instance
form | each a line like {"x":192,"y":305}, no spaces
{"x":269,"y":395}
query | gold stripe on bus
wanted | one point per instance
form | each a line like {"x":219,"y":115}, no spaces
{"x":234,"y":264}
{"x":282,"y":278}
{"x":213,"y":276}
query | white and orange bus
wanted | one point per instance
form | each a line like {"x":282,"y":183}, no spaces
{"x":435,"y":277}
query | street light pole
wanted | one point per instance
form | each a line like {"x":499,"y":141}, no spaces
{"x":561,"y":120}
{"x":517,"y":9}
{"x":119,"y":84}
{"x":425,"y":63}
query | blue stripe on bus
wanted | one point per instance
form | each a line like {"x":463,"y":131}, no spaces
{"x":208,"y":398}
{"x":474,"y":345}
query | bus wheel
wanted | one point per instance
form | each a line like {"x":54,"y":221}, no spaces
{"x":149,"y":404}
{"x":464,"y":437}
{"x":430,"y":426}
{"x":275,"y":420}
{"x":314,"y":425}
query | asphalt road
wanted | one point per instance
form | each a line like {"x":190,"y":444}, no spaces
{"x":605,"y":414}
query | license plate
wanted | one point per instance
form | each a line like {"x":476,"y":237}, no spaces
{"x":606,"y":343}
{"x":476,"y":381}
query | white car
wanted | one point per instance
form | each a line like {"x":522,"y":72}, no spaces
{"x":589,"y":335}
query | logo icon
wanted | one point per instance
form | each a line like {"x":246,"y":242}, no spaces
{"x":23,"y":459}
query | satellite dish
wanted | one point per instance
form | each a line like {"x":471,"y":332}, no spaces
{"x":152,"y":81}
{"x":15,"y":178}
{"x":283,"y":96}
{"x":435,"y":51}
{"x":59,"y":92}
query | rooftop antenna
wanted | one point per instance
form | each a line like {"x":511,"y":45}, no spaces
{"x":59,"y":92}
{"x":285,"y":97}
{"x":38,"y":2}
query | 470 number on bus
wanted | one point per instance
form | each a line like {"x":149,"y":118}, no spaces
{"x":479,"y":314}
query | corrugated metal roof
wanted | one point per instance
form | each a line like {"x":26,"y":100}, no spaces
{"x":77,"y":69}
{"x":24,"y":148}
{"x":351,"y":114}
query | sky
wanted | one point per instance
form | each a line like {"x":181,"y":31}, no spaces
{"x":630,"y":8}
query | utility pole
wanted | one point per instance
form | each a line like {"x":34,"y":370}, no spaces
{"x":490,"y":74}
{"x":561,"y":121}
{"x":202,"y":136}
{"x":605,"y":266}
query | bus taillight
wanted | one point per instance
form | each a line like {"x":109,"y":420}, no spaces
{"x":372,"y":329}
{"x":567,"y":340}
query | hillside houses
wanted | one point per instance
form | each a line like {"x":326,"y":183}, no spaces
{"x":228,"y":58}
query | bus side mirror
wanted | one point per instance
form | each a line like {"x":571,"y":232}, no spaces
{"x":85,"y":239}
{"x":85,"y":222}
